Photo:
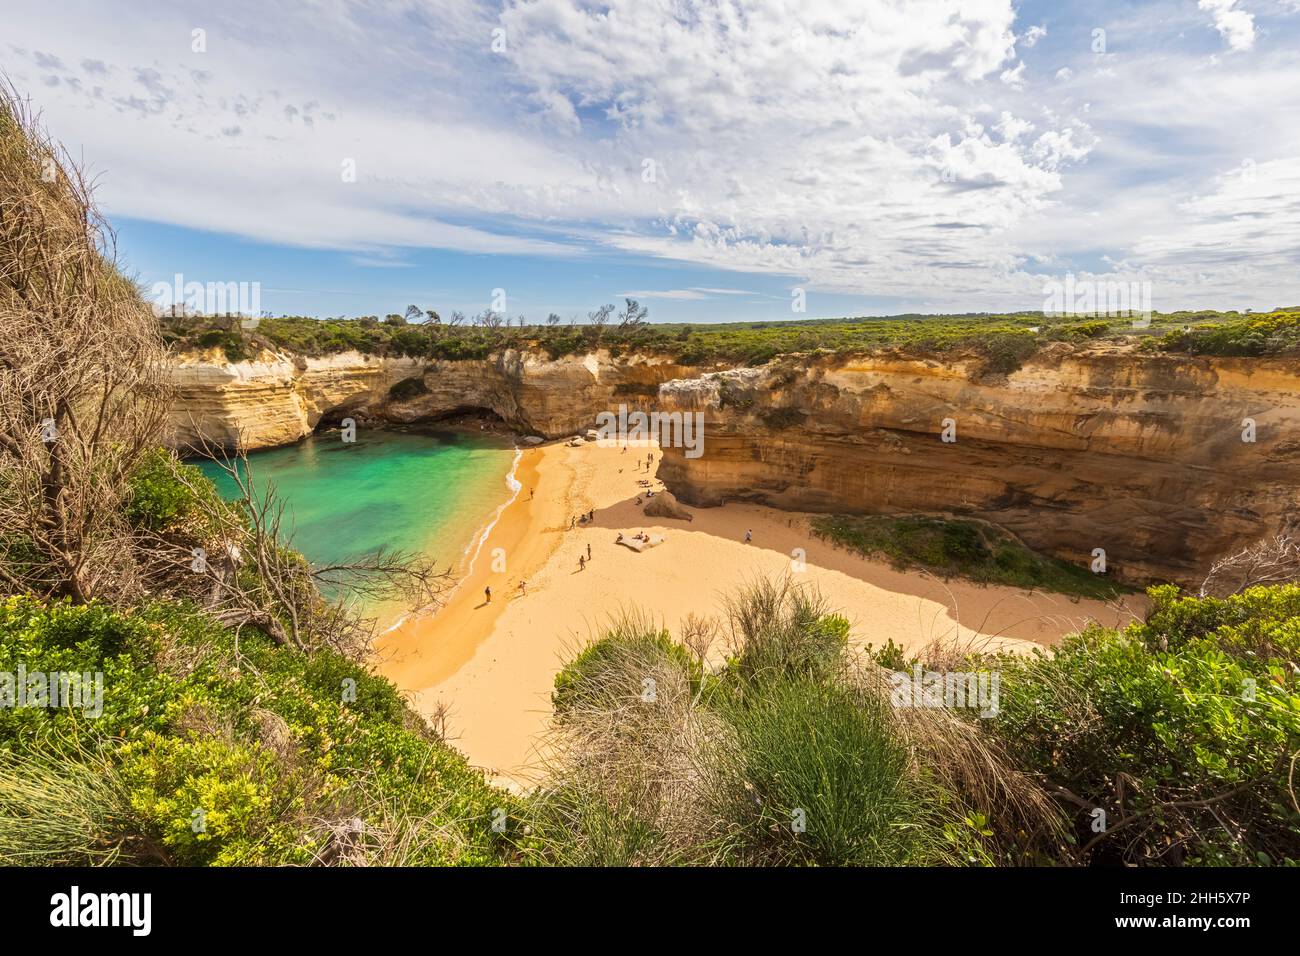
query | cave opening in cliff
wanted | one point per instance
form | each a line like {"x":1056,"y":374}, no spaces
{"x":469,"y":417}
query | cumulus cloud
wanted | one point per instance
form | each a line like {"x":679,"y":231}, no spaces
{"x":1236,"y":26}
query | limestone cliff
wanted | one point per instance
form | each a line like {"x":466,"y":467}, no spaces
{"x":1141,"y":455}
{"x":278,"y":398}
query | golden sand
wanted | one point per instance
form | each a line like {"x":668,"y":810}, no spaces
{"x":493,"y":664}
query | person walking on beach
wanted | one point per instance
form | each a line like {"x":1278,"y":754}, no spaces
{"x":749,"y":536}
{"x":531,"y":493}
{"x":589,"y":551}
{"x":487,"y":595}
{"x":523,"y":588}
{"x":582,"y":563}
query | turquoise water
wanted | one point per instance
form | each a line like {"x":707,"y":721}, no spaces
{"x":414,"y":492}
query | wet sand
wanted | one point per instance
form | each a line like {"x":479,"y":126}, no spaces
{"x":493,"y":664}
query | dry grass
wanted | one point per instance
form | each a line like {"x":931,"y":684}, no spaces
{"x":81,"y":371}
{"x":624,"y":765}
{"x":65,"y":809}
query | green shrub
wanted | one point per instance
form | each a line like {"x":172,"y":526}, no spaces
{"x":213,"y":803}
{"x":954,"y":547}
{"x":165,"y":493}
{"x":820,"y":778}
{"x":268,"y":742}
{"x":586,"y":680}
{"x":1187,"y":749}
{"x":1260,"y":626}
{"x":1086,"y":330}
{"x":784,"y":631}
{"x":1007,"y":350}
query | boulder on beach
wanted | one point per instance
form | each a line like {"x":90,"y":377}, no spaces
{"x":664,"y":505}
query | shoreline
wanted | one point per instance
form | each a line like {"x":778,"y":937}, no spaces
{"x":465,"y":566}
{"x":492,"y":665}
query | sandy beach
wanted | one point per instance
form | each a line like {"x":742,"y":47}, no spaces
{"x":493,"y":664}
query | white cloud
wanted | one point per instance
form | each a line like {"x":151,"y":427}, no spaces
{"x":664,"y":294}
{"x":1014,"y":78}
{"x":1236,"y":26}
{"x":1035,"y":33}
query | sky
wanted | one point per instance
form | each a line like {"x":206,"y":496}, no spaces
{"x":718,"y":161}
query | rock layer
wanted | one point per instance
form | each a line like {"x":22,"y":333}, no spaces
{"x":1139,"y":455}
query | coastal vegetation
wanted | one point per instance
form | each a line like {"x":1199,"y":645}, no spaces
{"x":957,"y":547}
{"x":1170,"y":742}
{"x":1003,"y":341}
{"x":220,"y":711}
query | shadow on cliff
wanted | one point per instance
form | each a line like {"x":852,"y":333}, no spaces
{"x":1038,"y":616}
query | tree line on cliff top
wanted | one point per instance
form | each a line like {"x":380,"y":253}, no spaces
{"x":1005,"y":340}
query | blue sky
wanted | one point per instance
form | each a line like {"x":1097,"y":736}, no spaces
{"x":712,"y":159}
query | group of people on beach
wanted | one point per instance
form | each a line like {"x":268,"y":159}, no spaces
{"x":587,"y":518}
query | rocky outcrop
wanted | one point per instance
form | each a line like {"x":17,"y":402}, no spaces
{"x":664,"y":505}
{"x":278,"y":398}
{"x":1140,"y":455}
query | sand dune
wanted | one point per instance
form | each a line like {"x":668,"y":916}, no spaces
{"x":493,"y":664}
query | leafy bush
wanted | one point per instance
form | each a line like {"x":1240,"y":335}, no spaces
{"x":165,"y":492}
{"x":1085,"y":330}
{"x":1185,"y":746}
{"x":269,"y":743}
{"x":1260,"y":626}
{"x":1007,"y":350}
{"x":1276,"y":333}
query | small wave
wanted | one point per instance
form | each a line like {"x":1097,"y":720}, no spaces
{"x":515,"y":486}
{"x":476,"y":543}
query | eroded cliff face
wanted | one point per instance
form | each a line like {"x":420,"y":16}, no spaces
{"x":1140,"y":455}
{"x":277,"y":398}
